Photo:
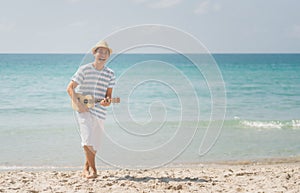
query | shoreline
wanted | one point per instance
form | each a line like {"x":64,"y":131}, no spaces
{"x":252,"y":161}
{"x":258,"y":161}
{"x":272,"y":175}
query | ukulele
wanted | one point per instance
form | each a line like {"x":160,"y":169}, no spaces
{"x":89,"y":101}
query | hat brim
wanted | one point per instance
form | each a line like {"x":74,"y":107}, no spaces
{"x":96,"y":47}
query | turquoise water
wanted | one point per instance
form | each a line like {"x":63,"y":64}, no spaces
{"x":162,"y":93}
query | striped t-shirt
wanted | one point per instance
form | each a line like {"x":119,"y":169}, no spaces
{"x":94,"y":82}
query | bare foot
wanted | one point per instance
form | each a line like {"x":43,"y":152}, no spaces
{"x":92,"y":175}
{"x":85,"y":173}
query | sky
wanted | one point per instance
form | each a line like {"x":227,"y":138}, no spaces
{"x":222,"y":26}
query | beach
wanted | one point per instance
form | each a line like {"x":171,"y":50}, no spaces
{"x":41,"y":151}
{"x":270,"y":175}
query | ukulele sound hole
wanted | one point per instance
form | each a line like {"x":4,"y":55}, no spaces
{"x":85,"y":101}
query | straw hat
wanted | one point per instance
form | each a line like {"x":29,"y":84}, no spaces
{"x":101,"y":44}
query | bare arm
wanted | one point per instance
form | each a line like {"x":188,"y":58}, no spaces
{"x":107,"y":96}
{"x":71,"y":88}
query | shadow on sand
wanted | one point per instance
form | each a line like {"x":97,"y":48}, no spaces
{"x":162,"y":179}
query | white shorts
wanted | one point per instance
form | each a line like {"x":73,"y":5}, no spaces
{"x":91,"y":129}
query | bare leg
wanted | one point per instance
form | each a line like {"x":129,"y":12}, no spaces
{"x":90,"y":154}
{"x":86,"y":168}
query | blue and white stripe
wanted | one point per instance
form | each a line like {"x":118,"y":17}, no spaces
{"x":94,"y":82}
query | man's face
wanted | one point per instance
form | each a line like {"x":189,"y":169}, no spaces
{"x":102,"y":54}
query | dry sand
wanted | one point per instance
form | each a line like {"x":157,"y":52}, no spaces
{"x":223,"y":177}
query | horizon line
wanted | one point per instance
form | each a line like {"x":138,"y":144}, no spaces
{"x":153,"y":53}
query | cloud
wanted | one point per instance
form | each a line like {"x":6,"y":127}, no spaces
{"x":139,"y":1}
{"x":202,"y":8}
{"x":77,"y":24}
{"x":165,"y":3}
{"x":158,"y":4}
{"x":6,"y":26}
{"x":216,"y":7}
{"x":73,"y":1}
{"x":206,"y":7}
{"x":295,"y":31}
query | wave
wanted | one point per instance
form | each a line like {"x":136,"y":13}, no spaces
{"x":271,"y":124}
{"x":238,"y":123}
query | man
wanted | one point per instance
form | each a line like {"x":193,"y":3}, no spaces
{"x":97,"y":80}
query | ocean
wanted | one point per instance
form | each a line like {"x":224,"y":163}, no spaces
{"x":230,"y":107}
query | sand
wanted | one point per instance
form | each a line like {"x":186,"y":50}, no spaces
{"x":222,"y":177}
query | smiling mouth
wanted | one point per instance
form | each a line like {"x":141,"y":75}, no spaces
{"x":101,"y":59}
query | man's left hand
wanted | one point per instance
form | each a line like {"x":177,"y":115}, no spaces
{"x":105,"y":102}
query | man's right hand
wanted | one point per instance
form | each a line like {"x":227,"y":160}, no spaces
{"x":82,"y":108}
